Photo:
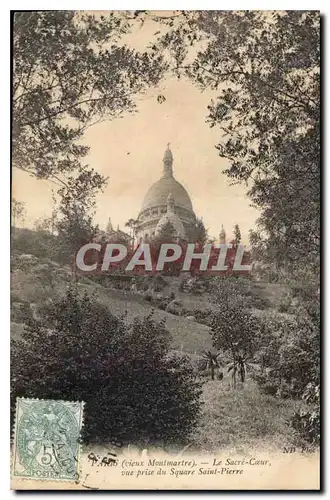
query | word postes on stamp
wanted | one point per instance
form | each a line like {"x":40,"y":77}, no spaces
{"x":47,"y":436}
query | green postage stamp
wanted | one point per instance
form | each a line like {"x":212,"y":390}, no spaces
{"x":47,"y":439}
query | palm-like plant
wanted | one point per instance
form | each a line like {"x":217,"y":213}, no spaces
{"x":239,"y":367}
{"x":132,"y":224}
{"x":212,"y":361}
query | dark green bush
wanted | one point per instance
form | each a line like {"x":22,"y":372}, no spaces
{"x":133,"y":390}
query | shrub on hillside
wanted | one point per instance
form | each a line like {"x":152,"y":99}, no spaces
{"x":162,"y":304}
{"x":133,"y":390}
{"x":38,"y":243}
{"x":254,"y":300}
{"x":196,"y":285}
{"x":289,"y":353}
{"x":308,"y":422}
{"x":203,"y":316}
{"x":239,"y":290}
{"x":174,"y":307}
{"x":235,"y":332}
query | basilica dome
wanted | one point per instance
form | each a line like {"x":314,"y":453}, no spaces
{"x":154,"y":210}
{"x":159,"y":191}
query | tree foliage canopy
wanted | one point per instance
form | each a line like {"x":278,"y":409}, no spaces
{"x":197,"y":233}
{"x":237,"y":234}
{"x":70,"y":70}
{"x":264,"y":67}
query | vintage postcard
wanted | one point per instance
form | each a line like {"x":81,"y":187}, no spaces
{"x":165,"y":250}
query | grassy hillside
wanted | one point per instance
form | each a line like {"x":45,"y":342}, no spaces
{"x":42,"y":279}
{"x":187,"y":335}
{"x":242,"y":420}
{"x":37,"y":279}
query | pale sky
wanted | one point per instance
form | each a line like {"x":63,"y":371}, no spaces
{"x":180,"y":120}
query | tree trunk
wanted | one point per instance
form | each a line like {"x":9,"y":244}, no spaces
{"x":212,"y":372}
{"x":242,"y":374}
{"x":234,"y":369}
{"x":234,"y":375}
